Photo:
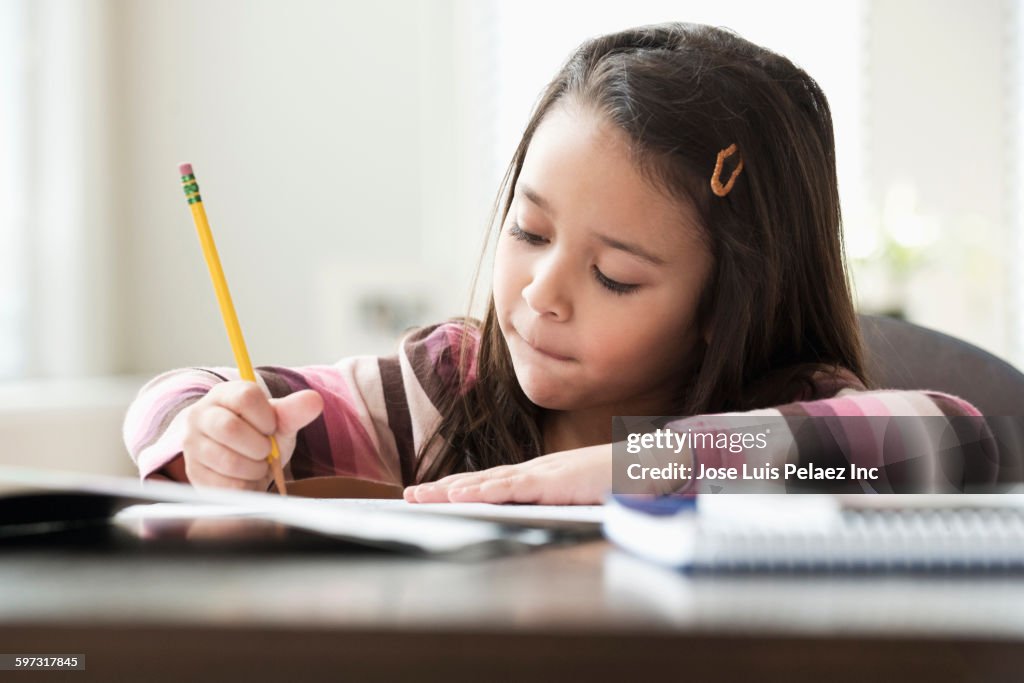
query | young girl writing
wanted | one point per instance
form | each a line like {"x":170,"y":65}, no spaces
{"x":670,"y":244}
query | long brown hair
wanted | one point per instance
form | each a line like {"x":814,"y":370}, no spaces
{"x":777,"y":304}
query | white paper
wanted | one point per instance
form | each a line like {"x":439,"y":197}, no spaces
{"x":508,"y":513}
{"x":432,"y":528}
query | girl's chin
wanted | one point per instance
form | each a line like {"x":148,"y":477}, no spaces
{"x":545,"y":386}
{"x":548,"y":396}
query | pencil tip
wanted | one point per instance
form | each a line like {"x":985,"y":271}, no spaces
{"x":185,"y":169}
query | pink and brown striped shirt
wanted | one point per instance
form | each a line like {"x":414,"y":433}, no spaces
{"x":378,"y":411}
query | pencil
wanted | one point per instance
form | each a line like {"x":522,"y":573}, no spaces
{"x":227,"y":309}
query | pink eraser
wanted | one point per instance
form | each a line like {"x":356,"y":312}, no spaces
{"x":185,"y":169}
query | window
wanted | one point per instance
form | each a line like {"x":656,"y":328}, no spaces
{"x":14,"y":168}
{"x":1016,"y":184}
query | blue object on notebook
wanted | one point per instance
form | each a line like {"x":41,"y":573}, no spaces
{"x":659,"y":506}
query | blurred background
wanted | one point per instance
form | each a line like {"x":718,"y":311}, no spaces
{"x":349,"y":154}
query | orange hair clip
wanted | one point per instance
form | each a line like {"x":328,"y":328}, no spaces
{"x":716,"y":182}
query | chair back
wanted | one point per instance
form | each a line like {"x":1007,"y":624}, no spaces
{"x":902,"y":355}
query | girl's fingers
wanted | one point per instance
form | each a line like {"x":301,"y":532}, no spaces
{"x":493,"y":472}
{"x":437,"y":492}
{"x":426,"y":493}
{"x":509,"y":489}
{"x":505,"y":484}
{"x":297,"y":410}
{"x":434,"y":492}
{"x":201,"y":476}
{"x":247,"y":400}
{"x":229,"y":429}
{"x":226,"y":462}
{"x":582,"y":477}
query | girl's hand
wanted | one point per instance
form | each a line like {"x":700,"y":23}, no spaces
{"x":582,"y":476}
{"x":226,"y":435}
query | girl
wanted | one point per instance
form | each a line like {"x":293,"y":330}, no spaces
{"x":670,"y":244}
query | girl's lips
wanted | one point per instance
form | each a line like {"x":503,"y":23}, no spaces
{"x":543,"y":352}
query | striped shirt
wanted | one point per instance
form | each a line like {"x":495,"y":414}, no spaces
{"x":378,"y":411}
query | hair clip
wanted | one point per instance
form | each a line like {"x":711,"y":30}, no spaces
{"x":716,"y":183}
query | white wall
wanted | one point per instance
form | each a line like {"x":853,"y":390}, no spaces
{"x":305,"y":125}
{"x":67,"y":424}
{"x":941,"y":157}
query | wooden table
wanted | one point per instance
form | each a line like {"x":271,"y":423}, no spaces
{"x":303,"y":610}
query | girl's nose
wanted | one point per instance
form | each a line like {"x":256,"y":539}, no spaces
{"x":548,"y":291}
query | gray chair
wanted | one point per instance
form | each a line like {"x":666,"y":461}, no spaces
{"x":902,"y":355}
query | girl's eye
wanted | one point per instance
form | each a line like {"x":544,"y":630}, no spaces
{"x":612,"y":285}
{"x":524,"y":236}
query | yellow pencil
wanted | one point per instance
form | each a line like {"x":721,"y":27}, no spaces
{"x":227,"y":309}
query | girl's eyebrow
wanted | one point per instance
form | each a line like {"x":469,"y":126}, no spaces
{"x":633,"y":249}
{"x":532,"y":195}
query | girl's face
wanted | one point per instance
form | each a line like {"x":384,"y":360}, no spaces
{"x":597,"y":273}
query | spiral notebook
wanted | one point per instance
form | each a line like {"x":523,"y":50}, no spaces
{"x":744,"y":533}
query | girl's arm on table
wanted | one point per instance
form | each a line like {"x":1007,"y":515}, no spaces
{"x":910,"y":434}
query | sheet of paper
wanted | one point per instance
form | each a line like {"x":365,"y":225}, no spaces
{"x":185,"y":511}
{"x":509,"y":514}
{"x":386,"y":523}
